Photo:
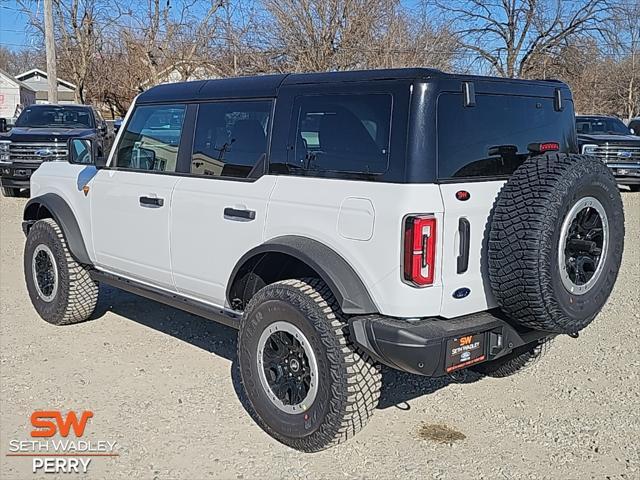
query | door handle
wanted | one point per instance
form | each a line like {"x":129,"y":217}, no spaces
{"x":241,"y":214}
{"x":464,"y":229}
{"x":151,"y":202}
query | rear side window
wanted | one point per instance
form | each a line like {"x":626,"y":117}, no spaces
{"x":342,"y":133}
{"x":491,"y":138}
{"x":230,"y":138}
{"x":152,"y":138}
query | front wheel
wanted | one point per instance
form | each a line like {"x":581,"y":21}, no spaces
{"x":60,"y":288}
{"x":307,"y":385}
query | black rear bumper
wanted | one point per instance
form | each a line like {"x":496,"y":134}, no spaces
{"x":420,"y":346}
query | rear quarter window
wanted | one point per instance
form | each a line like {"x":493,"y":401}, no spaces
{"x":491,"y":138}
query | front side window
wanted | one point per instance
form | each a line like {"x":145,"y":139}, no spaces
{"x":152,"y":138}
{"x":230,"y":138}
{"x":343,"y":133}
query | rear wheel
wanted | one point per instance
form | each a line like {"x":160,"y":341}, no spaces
{"x":307,"y":385}
{"x":60,"y":288}
{"x":10,"y":192}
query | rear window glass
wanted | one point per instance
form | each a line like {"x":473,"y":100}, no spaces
{"x":343,"y":133}
{"x":491,"y":138}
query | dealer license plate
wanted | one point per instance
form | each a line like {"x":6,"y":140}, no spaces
{"x":465,"y":351}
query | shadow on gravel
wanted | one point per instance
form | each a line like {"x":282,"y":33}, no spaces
{"x":199,"y":332}
{"x":398,"y":388}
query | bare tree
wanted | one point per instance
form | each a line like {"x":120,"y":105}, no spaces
{"x":175,"y":39}
{"x":19,"y":61}
{"x":79,"y":27}
{"x":322,"y":35}
{"x":626,"y":52}
{"x":327,"y":35}
{"x":510,"y":35}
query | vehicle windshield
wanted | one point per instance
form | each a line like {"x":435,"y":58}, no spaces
{"x":601,"y":126}
{"x":47,"y":116}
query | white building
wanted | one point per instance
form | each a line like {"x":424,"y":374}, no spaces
{"x":37,"y":80}
{"x":14,"y":96}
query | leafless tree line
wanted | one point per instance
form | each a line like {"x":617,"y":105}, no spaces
{"x":111,"y":49}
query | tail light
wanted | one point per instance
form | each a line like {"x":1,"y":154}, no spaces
{"x":419,"y":250}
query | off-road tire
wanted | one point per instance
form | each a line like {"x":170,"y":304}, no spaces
{"x":516,"y":361}
{"x":524,"y":241}
{"x":349,"y":381}
{"x":77,"y":294}
{"x":10,"y":192}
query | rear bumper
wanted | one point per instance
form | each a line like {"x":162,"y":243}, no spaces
{"x":420,"y":346}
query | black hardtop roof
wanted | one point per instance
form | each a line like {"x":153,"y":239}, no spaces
{"x":265,"y":86}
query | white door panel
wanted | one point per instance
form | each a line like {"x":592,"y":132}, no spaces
{"x":205,"y":243}
{"x":128,"y":237}
{"x":476,"y":210}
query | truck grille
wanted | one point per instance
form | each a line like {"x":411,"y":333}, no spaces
{"x":617,"y":154}
{"x":37,"y":152}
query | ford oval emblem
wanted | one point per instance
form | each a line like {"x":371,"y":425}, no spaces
{"x":44,"y":152}
{"x":461,"y":293}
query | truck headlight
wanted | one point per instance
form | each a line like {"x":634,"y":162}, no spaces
{"x":589,"y":149}
{"x":4,"y":150}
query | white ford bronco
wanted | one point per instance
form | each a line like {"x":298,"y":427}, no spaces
{"x":425,"y":221}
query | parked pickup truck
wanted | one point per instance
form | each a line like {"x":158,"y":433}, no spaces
{"x":40,"y":134}
{"x":612,"y":142}
{"x":339,"y":221}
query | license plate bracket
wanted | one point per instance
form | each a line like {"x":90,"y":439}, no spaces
{"x":465,"y":350}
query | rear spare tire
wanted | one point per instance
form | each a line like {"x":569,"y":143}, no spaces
{"x":555,"y":242}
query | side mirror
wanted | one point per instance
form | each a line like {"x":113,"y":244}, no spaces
{"x":3,"y":125}
{"x":633,"y":131}
{"x":83,"y":151}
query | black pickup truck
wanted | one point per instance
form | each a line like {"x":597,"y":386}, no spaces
{"x":610,"y":140}
{"x":40,"y":134}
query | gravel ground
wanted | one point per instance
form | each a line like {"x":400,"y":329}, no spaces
{"x":163,"y":384}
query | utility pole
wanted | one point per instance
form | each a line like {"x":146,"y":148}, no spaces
{"x":50,"y":45}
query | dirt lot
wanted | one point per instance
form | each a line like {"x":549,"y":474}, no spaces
{"x":163,"y":385}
